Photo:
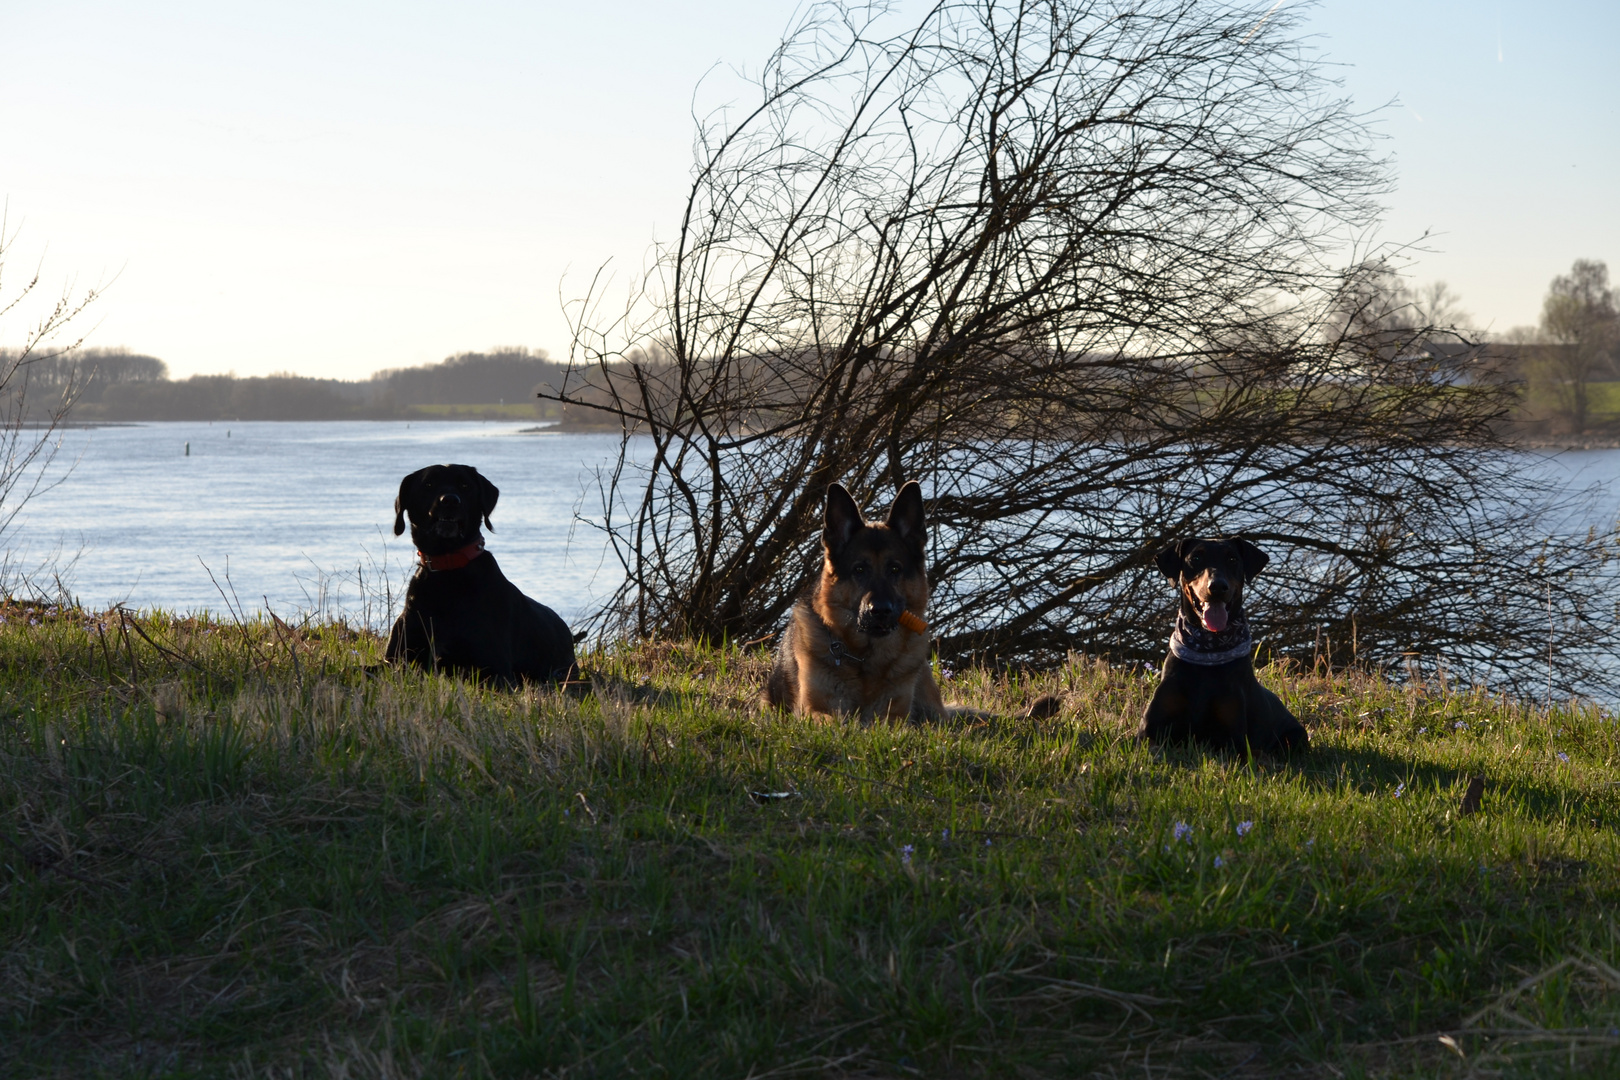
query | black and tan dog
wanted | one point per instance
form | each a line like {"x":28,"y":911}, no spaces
{"x":1209,"y":693}
{"x":461,"y":613}
{"x":856,"y":643}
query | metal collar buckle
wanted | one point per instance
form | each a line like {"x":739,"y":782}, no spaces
{"x":839,"y":654}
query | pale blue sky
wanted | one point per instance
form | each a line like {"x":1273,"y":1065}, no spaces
{"x":331,"y":188}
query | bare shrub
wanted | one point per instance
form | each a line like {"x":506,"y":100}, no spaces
{"x":32,"y":409}
{"x":1072,"y":266}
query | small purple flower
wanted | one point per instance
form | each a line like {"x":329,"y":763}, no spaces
{"x":1563,"y":757}
{"x":1423,"y":731}
{"x":1182,"y":830}
{"x":987,"y":841}
{"x":1243,"y":827}
{"x":1400,"y":789}
{"x":947,"y":674}
{"x":1219,"y":862}
{"x":945,"y":835}
{"x":1310,"y":843}
{"x":905,"y":855}
{"x":1458,"y":726}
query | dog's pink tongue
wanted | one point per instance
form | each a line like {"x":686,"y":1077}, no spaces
{"x":1215,"y":618}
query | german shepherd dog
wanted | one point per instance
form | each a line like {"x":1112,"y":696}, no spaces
{"x":855,"y":643}
{"x":1209,"y":692}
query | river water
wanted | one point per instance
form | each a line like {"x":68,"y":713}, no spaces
{"x":300,"y":515}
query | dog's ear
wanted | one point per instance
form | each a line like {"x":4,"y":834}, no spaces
{"x":402,"y":498}
{"x":843,"y":518}
{"x":906,"y":515}
{"x":1254,"y":560}
{"x":1170,"y":559}
{"x":489,"y":493}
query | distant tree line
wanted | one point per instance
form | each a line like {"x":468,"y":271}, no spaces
{"x":114,"y":384}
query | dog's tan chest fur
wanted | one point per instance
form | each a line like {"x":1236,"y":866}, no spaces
{"x":869,"y":677}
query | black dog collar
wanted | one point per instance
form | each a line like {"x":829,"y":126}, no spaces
{"x":1192,"y":643}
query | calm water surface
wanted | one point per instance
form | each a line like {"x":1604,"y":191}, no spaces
{"x":300,"y":514}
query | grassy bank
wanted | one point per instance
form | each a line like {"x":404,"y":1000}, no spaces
{"x":227,"y":851}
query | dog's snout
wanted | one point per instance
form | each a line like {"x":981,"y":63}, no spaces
{"x":447,"y":505}
{"x":1219,"y":586}
{"x":887,"y":607}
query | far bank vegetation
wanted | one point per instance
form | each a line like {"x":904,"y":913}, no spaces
{"x":119,"y":385}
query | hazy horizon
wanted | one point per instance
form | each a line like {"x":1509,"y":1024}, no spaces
{"x":331,"y":191}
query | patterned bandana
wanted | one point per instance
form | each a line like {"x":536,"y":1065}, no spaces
{"x":1192,"y":643}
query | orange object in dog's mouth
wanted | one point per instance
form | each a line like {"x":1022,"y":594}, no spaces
{"x":1213,"y":617}
{"x":912,"y":622}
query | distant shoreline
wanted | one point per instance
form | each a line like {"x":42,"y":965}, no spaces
{"x":1605,"y":441}
{"x":535,"y":427}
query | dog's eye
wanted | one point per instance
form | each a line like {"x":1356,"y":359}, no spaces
{"x":860,"y":569}
{"x":894,"y":569}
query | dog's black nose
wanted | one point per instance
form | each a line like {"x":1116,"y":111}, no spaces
{"x":1219,"y":587}
{"x":447,"y":505}
{"x":884,"y":608}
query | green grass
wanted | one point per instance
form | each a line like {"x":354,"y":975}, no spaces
{"x":1602,"y":399}
{"x":230,"y":852}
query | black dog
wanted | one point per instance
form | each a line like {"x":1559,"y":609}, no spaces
{"x":1209,"y":692}
{"x":461,"y":614}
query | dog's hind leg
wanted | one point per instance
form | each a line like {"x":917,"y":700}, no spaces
{"x":1283,"y":733}
{"x":927,"y":703}
{"x":782,"y":685}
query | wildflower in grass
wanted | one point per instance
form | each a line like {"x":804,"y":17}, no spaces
{"x":1182,"y":830}
{"x":987,"y":841}
{"x":1458,"y":726}
{"x":1243,"y":827}
{"x":1400,"y":789}
{"x":905,"y":855}
{"x":1219,"y":862}
{"x":1563,"y":757}
{"x":946,"y":673}
{"x":1310,"y":843}
{"x":945,"y":835}
{"x":1423,"y":731}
